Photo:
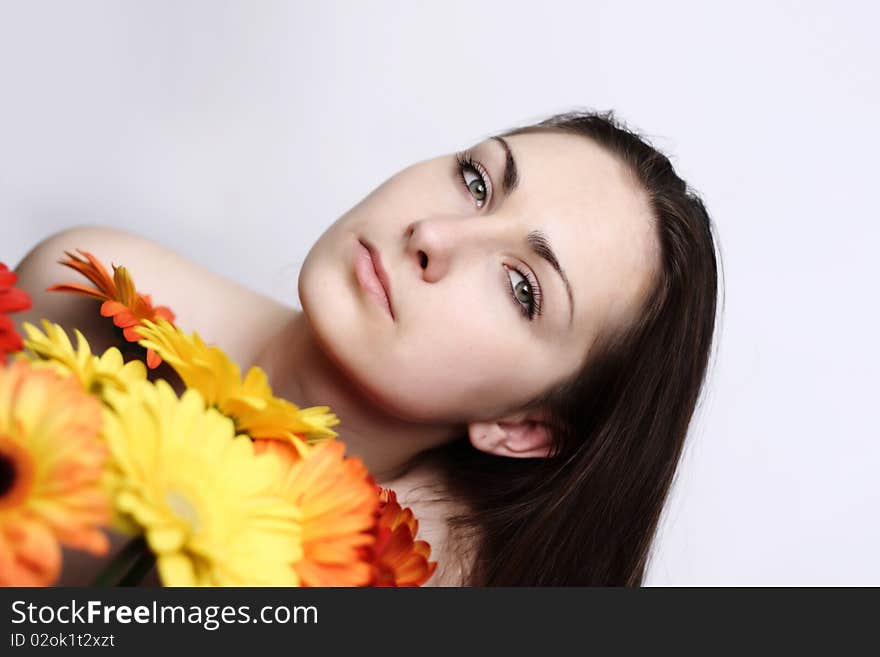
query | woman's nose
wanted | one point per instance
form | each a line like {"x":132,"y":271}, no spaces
{"x":436,"y":242}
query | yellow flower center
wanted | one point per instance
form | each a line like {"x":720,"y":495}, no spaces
{"x":183,"y":509}
{"x":16,"y":473}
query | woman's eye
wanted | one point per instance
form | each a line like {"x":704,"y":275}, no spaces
{"x":476,"y":185}
{"x":475,"y":177}
{"x":524,"y":293}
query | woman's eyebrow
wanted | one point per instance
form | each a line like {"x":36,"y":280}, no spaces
{"x":540,"y":246}
{"x":511,"y":173}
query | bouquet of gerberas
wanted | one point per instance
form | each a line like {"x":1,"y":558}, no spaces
{"x":224,"y":484}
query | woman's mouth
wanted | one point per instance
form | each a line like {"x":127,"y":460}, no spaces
{"x":371,"y":275}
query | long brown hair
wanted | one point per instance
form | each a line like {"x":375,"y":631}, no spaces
{"x":587,"y":515}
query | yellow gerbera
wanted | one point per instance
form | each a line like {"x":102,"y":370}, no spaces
{"x":93,"y":372}
{"x":338,"y":503}
{"x":51,"y":464}
{"x":250,"y":403}
{"x":199,"y":492}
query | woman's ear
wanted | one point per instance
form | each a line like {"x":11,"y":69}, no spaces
{"x":519,"y":438}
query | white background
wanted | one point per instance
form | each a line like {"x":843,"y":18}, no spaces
{"x":236,"y":132}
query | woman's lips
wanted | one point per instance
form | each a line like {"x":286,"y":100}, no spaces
{"x":371,"y":276}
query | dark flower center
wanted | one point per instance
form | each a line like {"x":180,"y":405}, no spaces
{"x":16,"y":473}
{"x":7,"y":474}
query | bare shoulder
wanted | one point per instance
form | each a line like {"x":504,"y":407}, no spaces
{"x":221,"y":310}
{"x":418,"y":491}
{"x":451,"y":555}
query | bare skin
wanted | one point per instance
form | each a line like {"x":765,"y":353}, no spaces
{"x":189,"y":290}
{"x":462,"y":345}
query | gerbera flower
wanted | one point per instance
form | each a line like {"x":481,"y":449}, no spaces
{"x":337,"y":502}
{"x":93,"y":372}
{"x":11,"y":300}
{"x":199,"y":493}
{"x":51,"y":464}
{"x":121,"y":300}
{"x":399,"y":559}
{"x":249,"y":402}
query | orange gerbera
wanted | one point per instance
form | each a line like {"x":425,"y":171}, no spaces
{"x":337,"y":502}
{"x":121,"y":300}
{"x":11,"y":300}
{"x":51,"y":467}
{"x":398,"y":559}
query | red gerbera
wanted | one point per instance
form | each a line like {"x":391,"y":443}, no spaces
{"x":399,"y":559}
{"x":11,"y":300}
{"x":121,"y":300}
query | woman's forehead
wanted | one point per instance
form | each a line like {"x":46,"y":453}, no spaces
{"x":562,"y":160}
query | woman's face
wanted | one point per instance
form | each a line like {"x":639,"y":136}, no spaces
{"x":479,"y":322}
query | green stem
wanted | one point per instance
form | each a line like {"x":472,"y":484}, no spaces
{"x":139,"y":569}
{"x":121,"y":563}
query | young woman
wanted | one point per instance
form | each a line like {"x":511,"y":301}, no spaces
{"x":514,"y":338}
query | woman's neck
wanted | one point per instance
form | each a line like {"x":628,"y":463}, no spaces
{"x":299,"y":370}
